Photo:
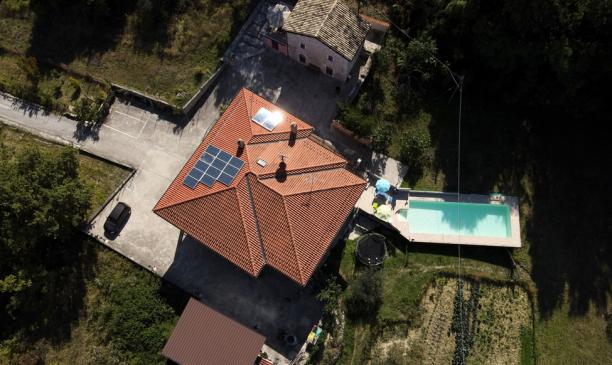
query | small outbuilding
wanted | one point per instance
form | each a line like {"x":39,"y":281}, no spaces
{"x":326,"y":35}
{"x":204,"y":336}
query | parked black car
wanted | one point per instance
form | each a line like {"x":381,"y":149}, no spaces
{"x":117,"y":219}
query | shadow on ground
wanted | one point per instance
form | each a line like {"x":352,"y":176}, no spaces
{"x":271,"y":304}
{"x":559,"y":176}
{"x":62,"y":32}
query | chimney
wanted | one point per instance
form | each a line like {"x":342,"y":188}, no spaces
{"x":293,"y":134}
{"x":240,"y":147}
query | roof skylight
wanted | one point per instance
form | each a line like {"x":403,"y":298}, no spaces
{"x":267,"y":119}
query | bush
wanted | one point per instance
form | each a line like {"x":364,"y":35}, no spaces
{"x":352,"y":118}
{"x":84,"y":110}
{"x":131,"y":315}
{"x":364,"y":296}
{"x":329,"y":296}
{"x":14,"y":7}
{"x":415,"y":143}
{"x":76,"y":87}
{"x":29,"y":66}
{"x":381,"y":139}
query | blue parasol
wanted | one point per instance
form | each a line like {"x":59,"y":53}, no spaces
{"x":382,"y":186}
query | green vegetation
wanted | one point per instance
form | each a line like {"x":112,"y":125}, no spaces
{"x":52,"y":88}
{"x":97,"y":175}
{"x":534,"y":79}
{"x":527,"y":346}
{"x":163,"y":48}
{"x":63,"y":298}
{"x":364,"y":295}
{"x":382,"y":306}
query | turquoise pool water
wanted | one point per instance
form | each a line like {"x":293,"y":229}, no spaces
{"x":468,"y":219}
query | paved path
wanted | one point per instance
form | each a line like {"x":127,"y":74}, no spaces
{"x":133,"y":136}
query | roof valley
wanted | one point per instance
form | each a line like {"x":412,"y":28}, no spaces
{"x":254,"y":210}
{"x":297,"y":260}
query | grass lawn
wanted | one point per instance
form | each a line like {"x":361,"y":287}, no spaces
{"x":166,"y":53}
{"x":63,"y":90}
{"x":100,"y":308}
{"x":408,"y":274}
{"x":574,"y":339}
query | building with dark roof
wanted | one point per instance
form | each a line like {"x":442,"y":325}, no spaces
{"x":203,"y":336}
{"x":324,"y":34}
{"x":262,"y":190}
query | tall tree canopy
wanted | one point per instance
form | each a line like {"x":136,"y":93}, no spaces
{"x":553,"y":53}
{"x":42,"y":201}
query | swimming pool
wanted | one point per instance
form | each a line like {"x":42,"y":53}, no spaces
{"x":450,"y":218}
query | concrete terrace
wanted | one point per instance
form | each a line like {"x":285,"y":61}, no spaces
{"x":405,"y":196}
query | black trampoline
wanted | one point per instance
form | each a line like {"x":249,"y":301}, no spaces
{"x":371,"y":249}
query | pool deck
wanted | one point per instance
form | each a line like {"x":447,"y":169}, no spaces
{"x":404,"y":196}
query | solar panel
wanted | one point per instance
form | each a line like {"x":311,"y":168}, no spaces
{"x":214,"y":165}
{"x":207,"y":180}
{"x":196,"y":174}
{"x":267,"y":119}
{"x":191,"y":182}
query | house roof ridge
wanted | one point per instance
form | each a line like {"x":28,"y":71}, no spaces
{"x":306,"y":170}
{"x":328,"y":188}
{"x":246,"y":236}
{"x":155,"y":209}
{"x":331,"y":9}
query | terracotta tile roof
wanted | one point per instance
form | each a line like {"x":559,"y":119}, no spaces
{"x":263,"y":361}
{"x":203,"y":336}
{"x":303,"y":155}
{"x":287,"y":222}
{"x":330,"y":21}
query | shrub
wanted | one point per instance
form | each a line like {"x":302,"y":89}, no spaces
{"x":14,"y":7}
{"x":29,"y":66}
{"x":84,"y":110}
{"x":350,"y":117}
{"x":76,"y":87}
{"x":329,"y":296}
{"x":415,"y":143}
{"x":364,"y":296}
{"x":199,"y":75}
{"x":381,"y":139}
{"x":132,"y":315}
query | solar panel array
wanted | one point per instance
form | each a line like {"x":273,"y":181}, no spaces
{"x":214,"y":165}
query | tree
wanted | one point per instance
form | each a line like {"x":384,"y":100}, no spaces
{"x":381,"y":139}
{"x":29,"y":66}
{"x":414,"y":146}
{"x":85,"y":110}
{"x":42,"y":201}
{"x":364,"y":295}
{"x":329,"y":296}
